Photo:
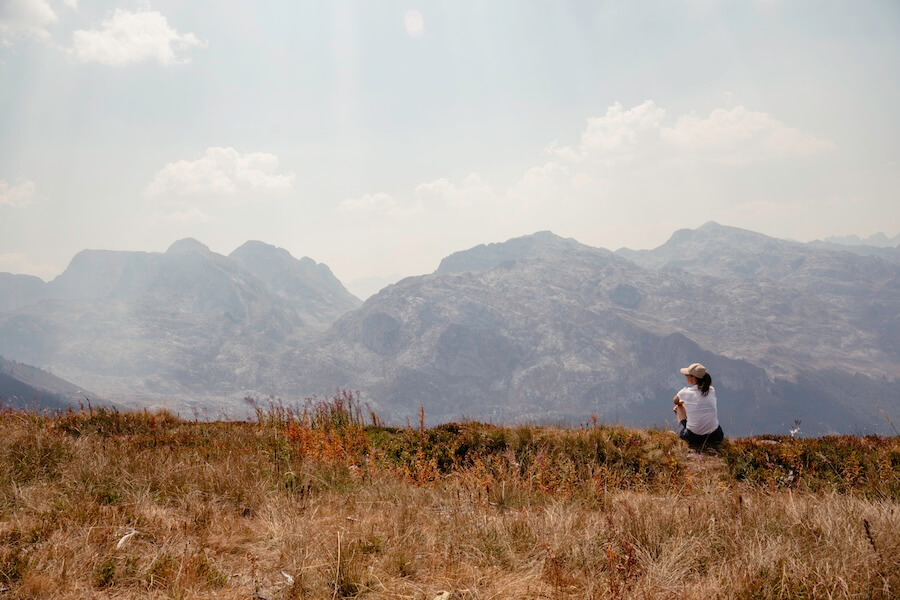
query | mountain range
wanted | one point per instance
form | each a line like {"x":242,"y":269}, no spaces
{"x":538,"y":328}
{"x":877,"y":240}
{"x":186,"y":325}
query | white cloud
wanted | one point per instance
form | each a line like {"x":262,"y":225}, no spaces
{"x":538,"y":184}
{"x":632,"y":169}
{"x":734,"y":136}
{"x":20,"y":194}
{"x":25,"y":18}
{"x":616,"y":135}
{"x":546,"y":177}
{"x":414,"y":23}
{"x":129,"y":37}
{"x":622,"y":129}
{"x":73,"y":4}
{"x":18,"y":262}
{"x":440,"y":188}
{"x":221,"y":171}
{"x":741,"y":136}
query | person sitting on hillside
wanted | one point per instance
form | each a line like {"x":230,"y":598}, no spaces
{"x":695,"y":409}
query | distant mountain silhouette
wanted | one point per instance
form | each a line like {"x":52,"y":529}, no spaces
{"x":887,"y":252}
{"x":722,"y":251}
{"x":17,"y":291}
{"x":543,"y":328}
{"x":310,"y":287}
{"x":543,"y":244}
{"x":187,"y":324}
{"x":878,"y":240}
{"x":538,"y":328}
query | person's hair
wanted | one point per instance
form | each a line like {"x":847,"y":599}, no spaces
{"x":703,"y":383}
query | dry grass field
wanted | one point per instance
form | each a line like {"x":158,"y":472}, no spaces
{"x":315,"y":503}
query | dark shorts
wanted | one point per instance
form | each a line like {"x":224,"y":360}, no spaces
{"x":701,"y":441}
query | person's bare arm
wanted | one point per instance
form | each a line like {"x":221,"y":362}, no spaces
{"x":679,"y":410}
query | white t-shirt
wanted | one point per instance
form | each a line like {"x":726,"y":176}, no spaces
{"x":702,"y":417}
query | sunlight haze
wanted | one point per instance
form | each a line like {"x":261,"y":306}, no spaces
{"x":380,"y":137}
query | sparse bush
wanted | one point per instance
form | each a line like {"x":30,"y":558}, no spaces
{"x":105,"y":573}
{"x":12,"y":565}
{"x":870,"y":465}
{"x":346,"y":577}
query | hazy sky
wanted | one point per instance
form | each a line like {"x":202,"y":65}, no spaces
{"x":380,"y":136}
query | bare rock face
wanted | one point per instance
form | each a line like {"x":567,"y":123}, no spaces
{"x":542,"y":244}
{"x":788,"y":306}
{"x":539,"y":328}
{"x":184,"y":324}
{"x":380,"y":333}
{"x":548,"y":329}
{"x":309,"y":287}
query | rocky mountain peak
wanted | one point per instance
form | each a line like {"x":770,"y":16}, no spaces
{"x":712,"y":231}
{"x":92,"y":274}
{"x":262,"y":259}
{"x":187,"y":246}
{"x":489,"y":256}
{"x":537,"y":327}
{"x":540,"y":327}
{"x":259,"y":248}
{"x":19,"y":290}
{"x":309,"y":286}
{"x":722,"y":251}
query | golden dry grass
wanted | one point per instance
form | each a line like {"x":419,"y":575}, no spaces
{"x":292,"y":507}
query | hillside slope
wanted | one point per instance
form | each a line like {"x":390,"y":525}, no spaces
{"x":538,"y":328}
{"x":549,"y":329}
{"x":186,"y":325}
{"x":24,"y":386}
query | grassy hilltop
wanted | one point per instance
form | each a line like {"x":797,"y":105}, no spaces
{"x":316,"y":503}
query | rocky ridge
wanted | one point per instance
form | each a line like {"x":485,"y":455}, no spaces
{"x":539,"y":328}
{"x":186,"y":325}
{"x":543,"y":328}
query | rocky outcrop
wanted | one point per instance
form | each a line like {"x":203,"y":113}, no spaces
{"x":309,"y":287}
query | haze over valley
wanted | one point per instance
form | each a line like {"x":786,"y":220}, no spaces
{"x":538,"y":328}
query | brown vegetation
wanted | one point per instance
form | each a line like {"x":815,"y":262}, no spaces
{"x":312,"y":503}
